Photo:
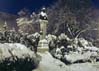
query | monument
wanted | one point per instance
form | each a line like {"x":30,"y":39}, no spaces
{"x":43,"y":22}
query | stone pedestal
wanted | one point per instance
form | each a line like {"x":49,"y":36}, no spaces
{"x":43,"y":28}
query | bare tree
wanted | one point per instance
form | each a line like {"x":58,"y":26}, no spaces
{"x":70,"y":17}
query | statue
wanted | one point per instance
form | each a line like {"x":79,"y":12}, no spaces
{"x":43,"y":22}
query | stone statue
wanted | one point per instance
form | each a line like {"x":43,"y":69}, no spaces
{"x":43,"y":22}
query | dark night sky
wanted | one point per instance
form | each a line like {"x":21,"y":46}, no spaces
{"x":13,"y":6}
{"x":96,"y":3}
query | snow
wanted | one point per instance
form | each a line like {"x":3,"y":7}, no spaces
{"x":43,"y":14}
{"x":48,"y":63}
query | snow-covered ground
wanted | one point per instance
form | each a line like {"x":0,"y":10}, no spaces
{"x":48,"y":63}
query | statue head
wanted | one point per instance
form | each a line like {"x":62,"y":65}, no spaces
{"x":43,"y":9}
